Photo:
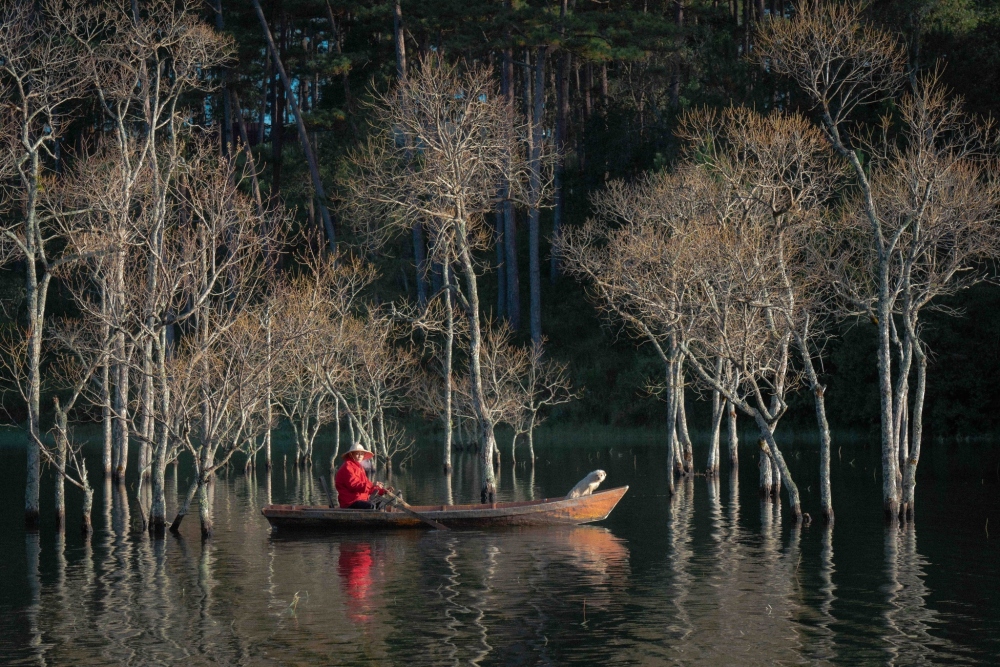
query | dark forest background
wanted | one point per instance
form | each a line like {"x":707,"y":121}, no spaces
{"x":617,"y":75}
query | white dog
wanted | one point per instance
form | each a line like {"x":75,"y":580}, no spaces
{"x":587,"y":485}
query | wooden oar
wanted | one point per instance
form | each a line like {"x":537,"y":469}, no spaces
{"x":326,"y":489}
{"x":409,"y":510}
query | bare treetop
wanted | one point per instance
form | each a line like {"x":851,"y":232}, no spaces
{"x":447,"y":138}
{"x":838,"y":60}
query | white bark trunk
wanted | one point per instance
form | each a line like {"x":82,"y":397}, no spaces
{"x":734,"y":437}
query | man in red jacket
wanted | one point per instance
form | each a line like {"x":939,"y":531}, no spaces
{"x":351,"y":480}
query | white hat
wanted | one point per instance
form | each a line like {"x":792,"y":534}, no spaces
{"x":358,"y":447}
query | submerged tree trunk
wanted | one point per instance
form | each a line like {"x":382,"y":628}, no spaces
{"x":205,"y":509}
{"x":767,"y":433}
{"x":818,"y":392}
{"x":910,"y":472}
{"x":60,"y":482}
{"x":120,"y":431}
{"x":766,"y":478}
{"x":671,"y":420}
{"x":449,"y":343}
{"x":158,"y":506}
{"x":687,"y":452}
{"x":105,"y":389}
{"x":185,"y":507}
{"x":86,"y":525}
{"x":718,"y":407}
{"x":825,"y":493}
{"x":483,"y":417}
{"x":269,"y":398}
{"x":890,"y":463}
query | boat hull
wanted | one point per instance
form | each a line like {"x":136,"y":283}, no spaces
{"x":551,"y":511}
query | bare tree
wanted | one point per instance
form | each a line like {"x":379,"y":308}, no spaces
{"x":691,"y":270}
{"x":502,"y":364}
{"x":922,"y":209}
{"x":38,"y":80}
{"x":299,"y":391}
{"x":779,"y":167}
{"x":467,"y":140}
{"x":433,"y":391}
{"x":544,"y":383}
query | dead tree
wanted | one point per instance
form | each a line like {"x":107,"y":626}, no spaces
{"x":468,"y":141}
{"x":39,"y":77}
{"x":928,"y":172}
{"x":543,"y":384}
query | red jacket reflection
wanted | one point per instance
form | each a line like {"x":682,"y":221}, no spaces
{"x":352,"y":484}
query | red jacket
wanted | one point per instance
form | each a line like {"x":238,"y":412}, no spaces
{"x":352,"y":484}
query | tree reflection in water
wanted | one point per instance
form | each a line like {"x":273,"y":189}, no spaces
{"x":696,"y":579}
{"x":680,"y":555}
{"x":908,"y":620}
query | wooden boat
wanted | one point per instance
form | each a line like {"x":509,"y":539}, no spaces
{"x":550,"y":511}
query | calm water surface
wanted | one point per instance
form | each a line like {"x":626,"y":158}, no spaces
{"x":710,"y":577}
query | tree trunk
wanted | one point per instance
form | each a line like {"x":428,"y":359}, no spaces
{"x":158,"y":506}
{"x":269,"y":398}
{"x":513,"y":286}
{"x":671,"y":419}
{"x":604,"y":84}
{"x":36,"y":297}
{"x":734,"y":437}
{"x":105,"y":391}
{"x":146,"y":409}
{"x":277,"y":131}
{"x":185,"y":507}
{"x":779,"y":462}
{"x":562,"y":117}
{"x":718,"y":406}
{"x":766,"y":483}
{"x":205,"y":509}
{"x":419,"y":244}
{"x":825,"y":493}
{"x":535,"y":196}
{"x":336,"y":434}
{"x":449,"y":343}
{"x":675,"y":76}
{"x":86,"y":526}
{"x":483,"y":417}
{"x":890,"y":488}
{"x":818,"y":391}
{"x":303,"y":135}
{"x":121,"y":393}
{"x":910,"y":472}
{"x":60,"y":481}
{"x":687,"y":454}
{"x":262,"y":112}
{"x":227,"y":123}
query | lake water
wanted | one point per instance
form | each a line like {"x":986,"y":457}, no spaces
{"x":710,"y":577}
